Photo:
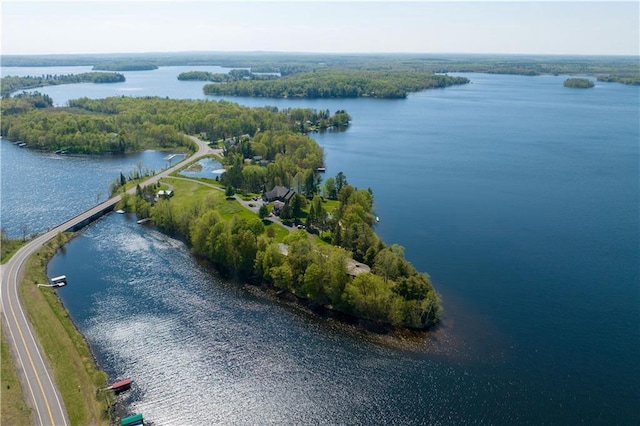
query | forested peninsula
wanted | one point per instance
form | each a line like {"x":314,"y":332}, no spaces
{"x":336,"y":263}
{"x":123,"y":125}
{"x":12,"y":84}
{"x":342,"y":83}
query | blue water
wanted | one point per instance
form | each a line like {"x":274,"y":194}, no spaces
{"x":517,"y":195}
{"x":41,"y":190}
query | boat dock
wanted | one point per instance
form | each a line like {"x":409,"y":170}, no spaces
{"x":60,"y":281}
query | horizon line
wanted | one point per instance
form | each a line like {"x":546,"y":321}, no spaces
{"x":271,"y":52}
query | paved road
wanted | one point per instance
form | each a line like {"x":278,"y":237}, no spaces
{"x":45,"y":399}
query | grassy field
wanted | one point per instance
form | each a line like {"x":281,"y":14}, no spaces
{"x":68,"y":354}
{"x":13,"y":410}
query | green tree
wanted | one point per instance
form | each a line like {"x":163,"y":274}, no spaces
{"x":314,"y":280}
{"x":369,"y":297}
{"x":263,"y":211}
{"x":341,"y":181}
{"x":281,"y":276}
{"x":297,"y":203}
{"x":330,"y":188}
{"x":244,"y":253}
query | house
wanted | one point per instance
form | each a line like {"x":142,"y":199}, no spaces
{"x":279,"y":193}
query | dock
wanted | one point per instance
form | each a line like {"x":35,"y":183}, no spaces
{"x":172,"y":156}
{"x":60,"y":281}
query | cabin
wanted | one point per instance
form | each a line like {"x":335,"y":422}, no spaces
{"x":279,"y":193}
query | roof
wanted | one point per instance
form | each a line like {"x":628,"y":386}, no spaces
{"x":279,"y":193}
{"x":354,"y":268}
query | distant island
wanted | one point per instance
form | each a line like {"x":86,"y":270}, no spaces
{"x":125,"y":66}
{"x":334,"y":83}
{"x":12,"y":84}
{"x":578,"y":83}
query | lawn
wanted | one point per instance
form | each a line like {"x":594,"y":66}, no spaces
{"x":186,"y":191}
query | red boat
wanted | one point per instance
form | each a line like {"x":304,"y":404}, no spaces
{"x":120,"y":386}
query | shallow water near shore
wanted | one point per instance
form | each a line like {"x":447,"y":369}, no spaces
{"x":517,"y":195}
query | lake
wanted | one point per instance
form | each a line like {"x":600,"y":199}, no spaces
{"x":518,"y":196}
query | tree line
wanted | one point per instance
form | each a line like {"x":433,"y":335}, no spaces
{"x":124,"y":66}
{"x":337,"y":84}
{"x":623,"y":69}
{"x":233,"y":75}
{"x":12,"y":84}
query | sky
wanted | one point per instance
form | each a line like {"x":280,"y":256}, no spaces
{"x":499,"y":27}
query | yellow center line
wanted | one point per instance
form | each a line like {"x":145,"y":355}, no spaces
{"x":15,"y":319}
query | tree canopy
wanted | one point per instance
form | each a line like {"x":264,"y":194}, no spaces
{"x":578,"y":83}
{"x":128,"y":124}
{"x":342,"y":83}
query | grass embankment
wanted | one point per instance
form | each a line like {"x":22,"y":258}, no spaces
{"x":68,"y":354}
{"x":13,"y":409}
{"x":8,"y":248}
